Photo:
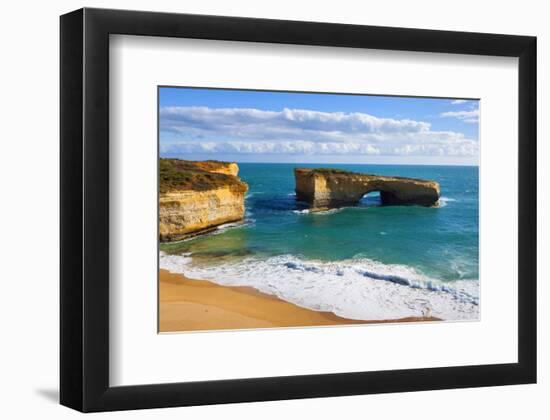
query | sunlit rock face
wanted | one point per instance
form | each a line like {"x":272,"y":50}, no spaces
{"x":196,"y":197}
{"x":330,"y":188}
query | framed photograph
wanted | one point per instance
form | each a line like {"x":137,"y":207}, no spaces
{"x":257,"y":209}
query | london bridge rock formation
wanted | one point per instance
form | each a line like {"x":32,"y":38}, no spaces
{"x":196,"y":197}
{"x":329,"y":188}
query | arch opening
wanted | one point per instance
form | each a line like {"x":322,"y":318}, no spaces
{"x":371,"y":199}
{"x":379,"y":197}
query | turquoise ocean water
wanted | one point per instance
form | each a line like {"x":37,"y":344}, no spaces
{"x":363,"y":262}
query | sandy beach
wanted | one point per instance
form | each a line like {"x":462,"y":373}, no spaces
{"x":198,"y":305}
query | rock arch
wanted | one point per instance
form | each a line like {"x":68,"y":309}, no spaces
{"x":329,"y":188}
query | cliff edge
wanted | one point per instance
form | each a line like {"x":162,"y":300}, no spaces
{"x":329,"y":188}
{"x":195,"y":197}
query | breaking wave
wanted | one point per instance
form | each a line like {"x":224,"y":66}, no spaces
{"x":357,"y":288}
{"x":443,"y":201}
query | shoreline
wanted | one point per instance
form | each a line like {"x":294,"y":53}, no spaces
{"x":199,"y":305}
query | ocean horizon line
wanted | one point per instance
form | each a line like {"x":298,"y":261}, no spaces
{"x":356,"y":163}
{"x":324,"y":163}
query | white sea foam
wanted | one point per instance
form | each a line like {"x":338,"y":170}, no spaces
{"x":226,"y":226}
{"x":230,"y":225}
{"x":318,"y":212}
{"x":251,"y":194}
{"x":443,"y":201}
{"x":329,"y":211}
{"x":221,"y":229}
{"x":355,"y":289}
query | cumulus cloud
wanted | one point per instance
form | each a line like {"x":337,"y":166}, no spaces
{"x":303,"y":132}
{"x":471,"y":116}
{"x":458,"y":101}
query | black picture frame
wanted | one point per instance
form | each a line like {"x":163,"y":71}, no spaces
{"x":84,"y":127}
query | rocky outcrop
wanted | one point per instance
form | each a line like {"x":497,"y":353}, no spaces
{"x":329,"y":188}
{"x":196,"y":197}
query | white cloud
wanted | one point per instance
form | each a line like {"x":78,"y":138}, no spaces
{"x":458,"y":101}
{"x":292,"y":148}
{"x":303,"y":132}
{"x":471,"y":116}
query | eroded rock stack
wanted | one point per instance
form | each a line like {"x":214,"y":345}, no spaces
{"x":330,"y":188}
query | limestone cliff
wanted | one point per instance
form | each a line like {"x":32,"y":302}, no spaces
{"x":195,"y":197}
{"x":328,"y":188}
{"x":214,"y":166}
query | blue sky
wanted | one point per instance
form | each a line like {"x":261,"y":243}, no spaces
{"x":256,"y":126}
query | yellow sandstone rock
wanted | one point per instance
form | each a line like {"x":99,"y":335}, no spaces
{"x":329,"y":188}
{"x":196,"y":197}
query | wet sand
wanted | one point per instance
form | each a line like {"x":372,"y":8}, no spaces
{"x":198,"y":305}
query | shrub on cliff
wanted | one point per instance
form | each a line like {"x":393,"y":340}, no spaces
{"x":177,"y":174}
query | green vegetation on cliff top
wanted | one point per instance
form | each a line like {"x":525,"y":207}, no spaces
{"x":176,"y":174}
{"x":330,"y":171}
{"x":333,"y":171}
